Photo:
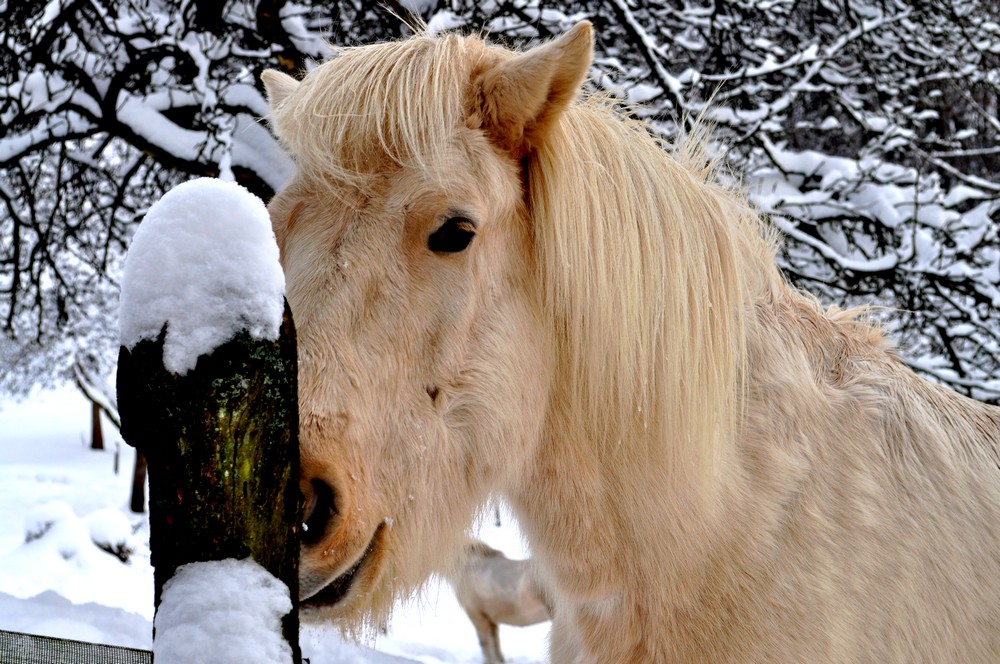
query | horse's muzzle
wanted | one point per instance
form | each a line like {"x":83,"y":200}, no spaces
{"x":317,"y":594}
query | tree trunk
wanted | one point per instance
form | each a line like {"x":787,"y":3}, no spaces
{"x":96,"y":435}
{"x":137,"y":501}
{"x":221,"y":444}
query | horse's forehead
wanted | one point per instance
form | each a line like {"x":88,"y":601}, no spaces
{"x":375,"y":113}
{"x":466,"y":170}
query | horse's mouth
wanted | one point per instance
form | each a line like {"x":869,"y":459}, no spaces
{"x":335,"y":591}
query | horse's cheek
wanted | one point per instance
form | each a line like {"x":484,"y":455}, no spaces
{"x":517,"y":389}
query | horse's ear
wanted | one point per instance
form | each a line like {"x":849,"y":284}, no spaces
{"x":521,"y":97}
{"x":278,"y":86}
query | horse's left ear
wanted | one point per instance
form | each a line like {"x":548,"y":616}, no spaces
{"x":521,"y":98}
{"x":278,"y":86}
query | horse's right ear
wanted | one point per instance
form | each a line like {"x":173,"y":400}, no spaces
{"x":520,"y":98}
{"x":279,"y":86}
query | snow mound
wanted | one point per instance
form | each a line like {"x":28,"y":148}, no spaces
{"x":204,"y":262}
{"x":59,"y":552}
{"x":222,"y":611}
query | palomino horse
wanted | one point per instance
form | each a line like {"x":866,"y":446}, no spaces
{"x":493,"y":590}
{"x":502,"y":286}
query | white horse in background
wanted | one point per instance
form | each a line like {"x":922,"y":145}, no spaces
{"x":494,"y":590}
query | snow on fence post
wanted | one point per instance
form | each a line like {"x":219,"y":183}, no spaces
{"x":207,"y":391}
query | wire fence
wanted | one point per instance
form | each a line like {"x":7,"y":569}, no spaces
{"x":18,"y":648}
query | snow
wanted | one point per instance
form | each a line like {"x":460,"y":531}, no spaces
{"x":50,"y":614}
{"x":143,"y":116}
{"x":641,"y":93}
{"x":204,"y":262}
{"x":48,"y":473}
{"x":255,"y":149}
{"x":443,"y":21}
{"x":418,"y":6}
{"x":224,"y":611}
{"x":55,"y":539}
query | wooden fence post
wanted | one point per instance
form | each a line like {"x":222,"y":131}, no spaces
{"x":221,"y":445}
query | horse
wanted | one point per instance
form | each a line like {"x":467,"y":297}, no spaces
{"x":493,"y":589}
{"x":504,"y":285}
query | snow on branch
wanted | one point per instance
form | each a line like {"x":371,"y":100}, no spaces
{"x":650,"y":51}
{"x":86,"y":375}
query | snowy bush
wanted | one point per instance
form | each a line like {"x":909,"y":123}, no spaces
{"x":39,"y":521}
{"x":111,"y":531}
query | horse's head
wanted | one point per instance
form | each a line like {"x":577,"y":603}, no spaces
{"x":424,"y":364}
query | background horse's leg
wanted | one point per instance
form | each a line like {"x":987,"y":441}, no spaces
{"x":489,"y":637}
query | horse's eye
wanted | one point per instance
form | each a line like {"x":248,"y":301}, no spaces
{"x":453,"y":236}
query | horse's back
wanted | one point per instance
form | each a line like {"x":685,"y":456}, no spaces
{"x":889,"y":542}
{"x":946,"y":456}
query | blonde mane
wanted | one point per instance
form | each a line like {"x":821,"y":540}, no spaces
{"x":647,"y":282}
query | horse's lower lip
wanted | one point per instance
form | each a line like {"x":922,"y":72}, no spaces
{"x":335,"y":591}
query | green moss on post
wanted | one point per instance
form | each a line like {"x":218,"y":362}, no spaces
{"x":221,"y":445}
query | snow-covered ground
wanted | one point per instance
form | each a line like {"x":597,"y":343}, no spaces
{"x":57,"y":497}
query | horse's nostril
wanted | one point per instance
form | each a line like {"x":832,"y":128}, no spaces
{"x":320,"y":508}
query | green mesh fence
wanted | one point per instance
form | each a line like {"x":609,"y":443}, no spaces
{"x":17,"y":648}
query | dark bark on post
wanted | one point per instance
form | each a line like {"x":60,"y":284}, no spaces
{"x":221,"y":444}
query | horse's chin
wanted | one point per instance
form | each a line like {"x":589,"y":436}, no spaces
{"x":357,"y":580}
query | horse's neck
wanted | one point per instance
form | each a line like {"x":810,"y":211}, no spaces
{"x":599,"y":511}
{"x":596,"y":513}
